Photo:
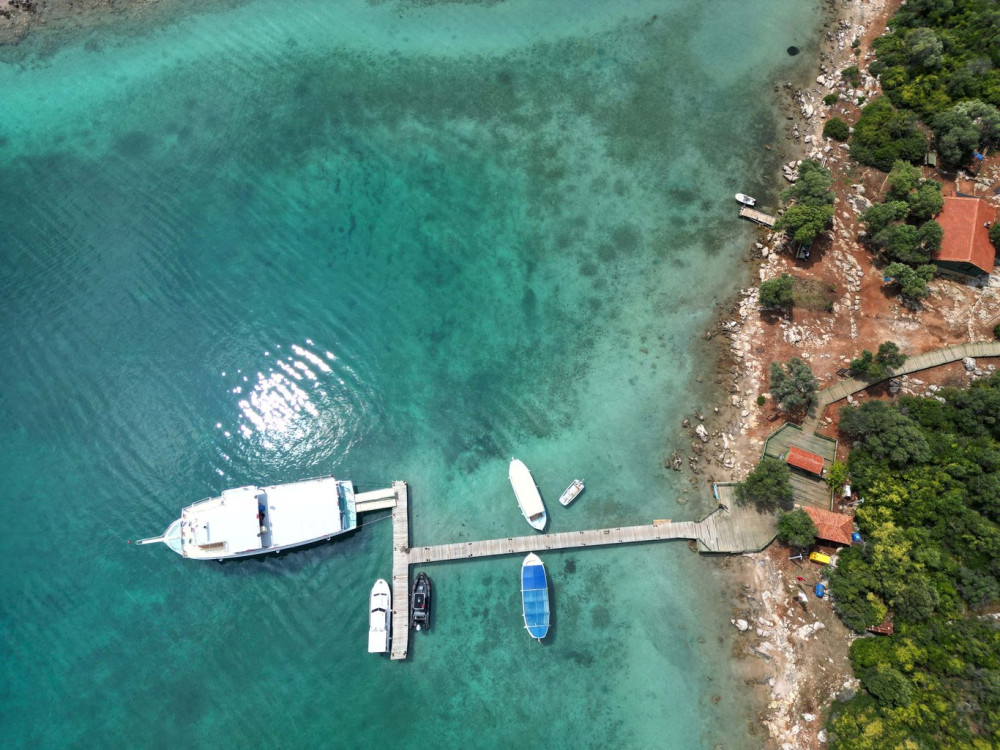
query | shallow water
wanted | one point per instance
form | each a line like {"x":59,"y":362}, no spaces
{"x":379,"y":240}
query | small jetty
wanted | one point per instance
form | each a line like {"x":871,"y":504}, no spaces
{"x":728,"y":529}
{"x":758,"y":216}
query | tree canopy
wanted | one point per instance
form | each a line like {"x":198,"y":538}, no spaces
{"x":939,"y":52}
{"x":776,"y":293}
{"x":812,"y":199}
{"x":884,"y":135}
{"x":876,"y":366}
{"x":912,"y":281}
{"x":768,"y":486}
{"x":796,"y":528}
{"x":931,"y":525}
{"x":793,"y":384}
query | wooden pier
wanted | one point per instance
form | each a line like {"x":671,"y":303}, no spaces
{"x":758,"y":216}
{"x":728,"y":529}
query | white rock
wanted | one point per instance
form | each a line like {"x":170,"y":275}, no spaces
{"x":741,"y":625}
{"x":808,"y":717}
{"x":969,"y":363}
{"x":702,"y":433}
{"x":807,"y":630}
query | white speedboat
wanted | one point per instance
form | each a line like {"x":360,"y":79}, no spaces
{"x":530,"y":502}
{"x":380,"y":618}
{"x":746,"y":200}
{"x":252,"y":520}
{"x":575,"y":488}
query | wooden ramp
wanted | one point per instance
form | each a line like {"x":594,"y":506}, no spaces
{"x":913,"y":364}
{"x":758,"y":216}
{"x":378,"y":500}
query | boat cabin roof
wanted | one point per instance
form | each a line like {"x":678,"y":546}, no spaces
{"x":253,"y":518}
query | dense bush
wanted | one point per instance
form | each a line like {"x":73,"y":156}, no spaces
{"x":995,"y":234}
{"x":837,"y":129}
{"x":912,"y":281}
{"x":830,"y":99}
{"x":930,"y":523}
{"x":775,"y":294}
{"x":793,"y":384}
{"x":883,"y":136}
{"x":940,"y":52}
{"x":812,"y":199}
{"x":962,"y":129}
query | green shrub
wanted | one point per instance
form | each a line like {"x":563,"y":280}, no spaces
{"x":797,"y":529}
{"x":830,"y":99}
{"x":996,"y":331}
{"x":995,"y":234}
{"x":837,"y":129}
{"x":761,"y":400}
{"x":776,"y":293}
{"x":852,"y":75}
{"x":883,"y":135}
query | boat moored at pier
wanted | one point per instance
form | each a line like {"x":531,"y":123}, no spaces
{"x":251,"y":520}
{"x":535,"y":596}
{"x":379,"y":618}
{"x":420,"y":603}
{"x":528,"y":499}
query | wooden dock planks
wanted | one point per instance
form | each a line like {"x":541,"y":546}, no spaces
{"x":758,"y":216}
{"x":400,"y":572}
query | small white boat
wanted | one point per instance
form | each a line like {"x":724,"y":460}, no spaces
{"x":530,"y":502}
{"x":571,"y":492}
{"x":380,"y":618}
{"x":746,"y":200}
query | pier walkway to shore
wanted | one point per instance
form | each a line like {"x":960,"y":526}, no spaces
{"x":758,"y":216}
{"x":916,"y":363}
{"x":727,"y":529}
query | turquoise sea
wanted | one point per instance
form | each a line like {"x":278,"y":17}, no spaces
{"x":384,"y":240}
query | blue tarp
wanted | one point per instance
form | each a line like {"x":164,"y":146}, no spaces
{"x":820,"y":590}
{"x":535,"y":600}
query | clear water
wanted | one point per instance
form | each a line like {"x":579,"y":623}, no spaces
{"x":384,"y":241}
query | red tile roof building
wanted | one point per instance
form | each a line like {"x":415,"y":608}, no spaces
{"x":805,"y":460}
{"x":833,"y":527}
{"x":966,"y":248}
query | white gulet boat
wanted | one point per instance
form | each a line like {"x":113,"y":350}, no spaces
{"x":530,"y":502}
{"x":251,"y":520}
{"x":379,"y":618}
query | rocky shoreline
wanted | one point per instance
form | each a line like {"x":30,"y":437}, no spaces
{"x":795,"y":652}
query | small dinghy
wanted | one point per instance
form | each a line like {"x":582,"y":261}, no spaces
{"x":746,"y":200}
{"x":571,"y":492}
{"x":420,"y":603}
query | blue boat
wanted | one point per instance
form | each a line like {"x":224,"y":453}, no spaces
{"x":535,"y":596}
